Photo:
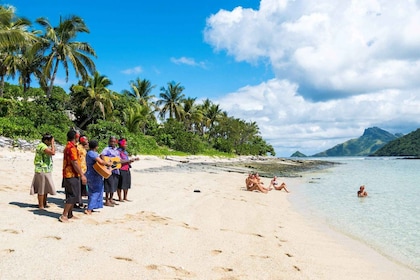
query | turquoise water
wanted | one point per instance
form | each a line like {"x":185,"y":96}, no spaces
{"x":388,"y":220}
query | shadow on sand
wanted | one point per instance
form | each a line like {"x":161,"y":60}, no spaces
{"x":37,"y":211}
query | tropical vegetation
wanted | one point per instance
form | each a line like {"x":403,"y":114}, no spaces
{"x":164,"y":124}
{"x":407,"y":145}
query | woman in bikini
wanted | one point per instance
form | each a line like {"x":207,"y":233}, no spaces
{"x":275,"y":184}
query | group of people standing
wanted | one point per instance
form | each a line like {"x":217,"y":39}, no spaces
{"x":79,"y":175}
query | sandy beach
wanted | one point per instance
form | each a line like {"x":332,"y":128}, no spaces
{"x":168,"y":231}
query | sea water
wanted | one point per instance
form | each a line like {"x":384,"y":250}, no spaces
{"x":387,"y":220}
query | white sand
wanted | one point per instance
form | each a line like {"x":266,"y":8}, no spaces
{"x":170,"y":232}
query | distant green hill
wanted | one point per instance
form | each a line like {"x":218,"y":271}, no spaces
{"x":408,"y":145}
{"x":372,"y":139}
{"x":298,"y":154}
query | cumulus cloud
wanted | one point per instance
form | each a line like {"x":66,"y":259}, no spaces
{"x":340,"y":67}
{"x":290,"y":123}
{"x":134,"y":70}
{"x":187,"y":61}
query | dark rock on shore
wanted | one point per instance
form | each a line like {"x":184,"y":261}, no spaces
{"x":281,"y":167}
{"x":266,"y":167}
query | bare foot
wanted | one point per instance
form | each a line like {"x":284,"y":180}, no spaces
{"x":63,"y":219}
{"x":88,"y":212}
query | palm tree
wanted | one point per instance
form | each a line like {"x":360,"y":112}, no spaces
{"x":191,"y":113}
{"x":136,"y":118}
{"x":63,"y":49}
{"x":13,"y":34}
{"x":171,"y":99}
{"x":141,"y":90}
{"x":98,"y":96}
{"x":17,"y":36}
{"x":212,"y":115}
{"x":30,"y":63}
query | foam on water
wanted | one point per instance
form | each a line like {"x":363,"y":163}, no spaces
{"x":388,"y":220}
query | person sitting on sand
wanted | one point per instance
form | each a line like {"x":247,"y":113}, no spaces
{"x":254,"y":184}
{"x":361,"y":192}
{"x":257,"y":176}
{"x":275,"y":184}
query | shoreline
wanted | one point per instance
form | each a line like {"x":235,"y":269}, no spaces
{"x":351,"y":242}
{"x":171,"y":232}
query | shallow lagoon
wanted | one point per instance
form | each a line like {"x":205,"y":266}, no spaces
{"x":388,"y":220}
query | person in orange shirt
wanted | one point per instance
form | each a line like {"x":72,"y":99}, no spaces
{"x":82,"y":147}
{"x":72,"y":173}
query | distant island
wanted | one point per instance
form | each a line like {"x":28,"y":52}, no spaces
{"x":298,"y":154}
{"x":375,"y":142}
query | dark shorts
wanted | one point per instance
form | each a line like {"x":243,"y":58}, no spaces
{"x":72,"y":189}
{"x":124,"y":182}
{"x":111,"y":184}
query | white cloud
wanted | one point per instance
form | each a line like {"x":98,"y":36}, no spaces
{"x":62,"y":82}
{"x":187,"y":61}
{"x":290,"y":123}
{"x":134,"y":70}
{"x":328,"y":45}
{"x":340,"y":67}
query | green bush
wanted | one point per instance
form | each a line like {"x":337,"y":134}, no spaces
{"x":7,"y":107}
{"x":20,"y":127}
{"x":60,"y":134}
{"x":104,"y":129}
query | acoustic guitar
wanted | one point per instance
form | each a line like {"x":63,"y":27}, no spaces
{"x":106,"y":171}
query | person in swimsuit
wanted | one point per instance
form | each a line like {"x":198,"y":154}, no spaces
{"x":275,"y":184}
{"x":254,"y":184}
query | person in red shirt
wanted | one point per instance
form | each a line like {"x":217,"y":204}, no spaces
{"x":72,"y":173}
{"x":124,"y":181}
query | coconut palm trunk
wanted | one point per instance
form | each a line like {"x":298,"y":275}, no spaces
{"x":51,"y":85}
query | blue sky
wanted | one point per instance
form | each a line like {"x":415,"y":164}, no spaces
{"x":161,"y":41}
{"x":312,"y":74}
